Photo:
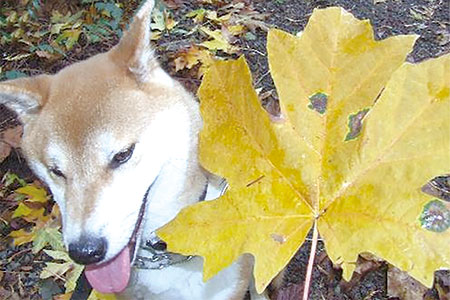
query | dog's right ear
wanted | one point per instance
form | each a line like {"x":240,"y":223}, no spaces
{"x":134,"y":51}
{"x":25,"y":96}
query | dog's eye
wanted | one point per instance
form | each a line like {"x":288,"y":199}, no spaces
{"x":57,"y":172}
{"x":122,"y":157}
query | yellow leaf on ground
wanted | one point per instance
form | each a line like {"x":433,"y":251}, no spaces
{"x":48,"y":236}
{"x":193,"y":56}
{"x":189,"y":58}
{"x":197,"y":14}
{"x":22,"y":210}
{"x":34,"y":193}
{"x":99,"y":296}
{"x":218,"y":42}
{"x":236,"y":29}
{"x":65,"y":296}
{"x":54,"y":270}
{"x":68,"y":267}
{"x":344,"y":156}
{"x":21,"y":237}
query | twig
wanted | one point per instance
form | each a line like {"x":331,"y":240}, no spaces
{"x":254,"y":50}
{"x":15,"y":272}
{"x":312,"y":255}
{"x":18,"y":253}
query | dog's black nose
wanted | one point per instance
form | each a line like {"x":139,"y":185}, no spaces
{"x":88,"y":250}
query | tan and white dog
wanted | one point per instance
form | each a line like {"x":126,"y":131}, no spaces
{"x":115,"y":139}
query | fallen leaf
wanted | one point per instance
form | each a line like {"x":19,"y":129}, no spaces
{"x":218,"y":42}
{"x":34,"y":193}
{"x":21,"y":237}
{"x":236,"y":29}
{"x":403,"y":286}
{"x":46,"y":226}
{"x":169,"y":21}
{"x":198,"y":15}
{"x":67,"y":267}
{"x":174,"y":4}
{"x":192,"y":57}
{"x":364,"y":193}
{"x":17,"y":57}
{"x":212,"y":15}
{"x":48,"y":236}
{"x":158,"y":20}
{"x":365,"y":264}
{"x":22,"y":210}
{"x":438,"y":187}
{"x":99,"y":296}
{"x":45,"y":54}
{"x":54,"y":270}
{"x":72,"y":277}
{"x":69,"y":38}
{"x":442,"y":284}
{"x":65,"y":296}
{"x":9,"y":138}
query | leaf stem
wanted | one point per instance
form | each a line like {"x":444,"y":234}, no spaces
{"x":312,"y":255}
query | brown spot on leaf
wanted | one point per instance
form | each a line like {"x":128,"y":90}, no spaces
{"x":355,"y":124}
{"x":319,"y":102}
{"x":278,"y":238}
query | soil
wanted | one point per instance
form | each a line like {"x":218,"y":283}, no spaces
{"x":427,"y":18}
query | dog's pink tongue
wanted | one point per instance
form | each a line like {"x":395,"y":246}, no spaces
{"x":110,"y":277}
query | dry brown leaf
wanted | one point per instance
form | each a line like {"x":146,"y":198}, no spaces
{"x":403,"y":286}
{"x":10,"y":138}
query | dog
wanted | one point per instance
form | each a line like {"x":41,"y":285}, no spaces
{"x":115,"y":139}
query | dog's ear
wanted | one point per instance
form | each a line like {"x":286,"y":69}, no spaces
{"x":134,"y":50}
{"x":25,"y":96}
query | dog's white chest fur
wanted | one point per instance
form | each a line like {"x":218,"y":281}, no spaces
{"x":183,"y":282}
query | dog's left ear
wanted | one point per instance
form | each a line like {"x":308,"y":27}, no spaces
{"x":134,"y":50}
{"x":25,"y":96}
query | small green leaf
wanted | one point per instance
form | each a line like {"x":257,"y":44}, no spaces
{"x":54,"y":269}
{"x":14,"y":74}
{"x":10,"y":178}
{"x":72,"y":277}
{"x":48,"y":236}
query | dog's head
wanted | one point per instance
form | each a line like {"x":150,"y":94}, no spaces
{"x":98,"y":133}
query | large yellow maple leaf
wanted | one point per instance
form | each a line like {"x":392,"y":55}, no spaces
{"x":344,"y":157}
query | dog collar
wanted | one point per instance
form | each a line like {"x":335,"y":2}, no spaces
{"x":153,"y":254}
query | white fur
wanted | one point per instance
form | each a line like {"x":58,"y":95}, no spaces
{"x":159,"y":76}
{"x":21,"y":103}
{"x":116,"y":211}
{"x":183,"y":281}
{"x":145,"y":53}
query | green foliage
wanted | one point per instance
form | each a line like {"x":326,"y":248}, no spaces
{"x":10,"y":178}
{"x":34,"y":31}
